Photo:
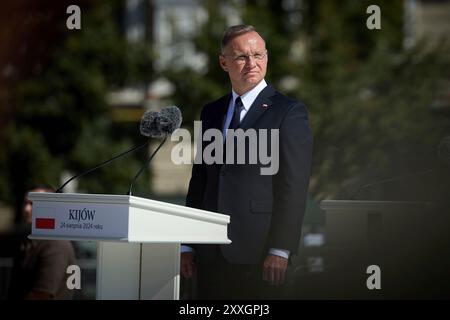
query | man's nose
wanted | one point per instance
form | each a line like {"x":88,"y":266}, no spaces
{"x":251,"y":61}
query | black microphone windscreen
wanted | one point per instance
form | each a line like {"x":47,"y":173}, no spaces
{"x":150,"y":124}
{"x":170,"y":119}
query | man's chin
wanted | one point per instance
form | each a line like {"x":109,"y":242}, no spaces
{"x":252,"y":80}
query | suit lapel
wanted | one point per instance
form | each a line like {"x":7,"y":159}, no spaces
{"x":259,"y":106}
{"x":219,"y":116}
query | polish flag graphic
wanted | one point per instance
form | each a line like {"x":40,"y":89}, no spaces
{"x":45,"y":223}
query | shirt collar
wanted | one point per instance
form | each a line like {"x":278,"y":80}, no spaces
{"x":250,"y":96}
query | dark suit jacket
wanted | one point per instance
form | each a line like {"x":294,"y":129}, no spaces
{"x":266,"y":211}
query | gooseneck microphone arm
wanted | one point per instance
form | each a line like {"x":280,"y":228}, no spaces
{"x":102,"y":164}
{"x":145,"y":165}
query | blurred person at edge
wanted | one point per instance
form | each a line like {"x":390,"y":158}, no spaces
{"x":39,"y":270}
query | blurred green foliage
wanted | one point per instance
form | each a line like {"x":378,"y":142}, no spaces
{"x":369,"y":98}
{"x":62,"y":120}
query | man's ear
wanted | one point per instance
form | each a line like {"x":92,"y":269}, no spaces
{"x":223,"y":63}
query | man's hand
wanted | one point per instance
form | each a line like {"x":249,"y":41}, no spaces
{"x":187,"y":264}
{"x":274,"y":269}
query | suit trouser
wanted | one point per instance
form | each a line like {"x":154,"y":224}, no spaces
{"x":220,"y":279}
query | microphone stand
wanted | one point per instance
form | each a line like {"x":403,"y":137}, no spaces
{"x":145,"y":165}
{"x":101,"y":165}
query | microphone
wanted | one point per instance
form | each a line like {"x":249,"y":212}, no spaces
{"x":171,"y":119}
{"x":147,"y":128}
{"x":160,"y":124}
{"x":168,"y":120}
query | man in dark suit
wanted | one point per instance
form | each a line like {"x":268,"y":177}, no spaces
{"x":266,"y":210}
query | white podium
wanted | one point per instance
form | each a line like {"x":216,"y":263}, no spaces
{"x":138,"y":256}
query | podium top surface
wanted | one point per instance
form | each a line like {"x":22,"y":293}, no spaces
{"x":131,"y":201}
{"x":123,"y":218}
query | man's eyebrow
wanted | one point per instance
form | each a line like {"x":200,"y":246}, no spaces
{"x":238,"y":52}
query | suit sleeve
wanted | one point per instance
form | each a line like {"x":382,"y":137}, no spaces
{"x":197,"y":184}
{"x":291,"y":182}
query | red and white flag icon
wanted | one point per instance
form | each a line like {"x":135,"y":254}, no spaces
{"x":45,"y":223}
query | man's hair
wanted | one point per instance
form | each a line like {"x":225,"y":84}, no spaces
{"x":33,"y":187}
{"x":234,"y":31}
{"x":45,"y":187}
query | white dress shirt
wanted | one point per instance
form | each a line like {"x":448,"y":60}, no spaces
{"x":247,"y":100}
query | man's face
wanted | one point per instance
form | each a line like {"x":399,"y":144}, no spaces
{"x":245,"y":60}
